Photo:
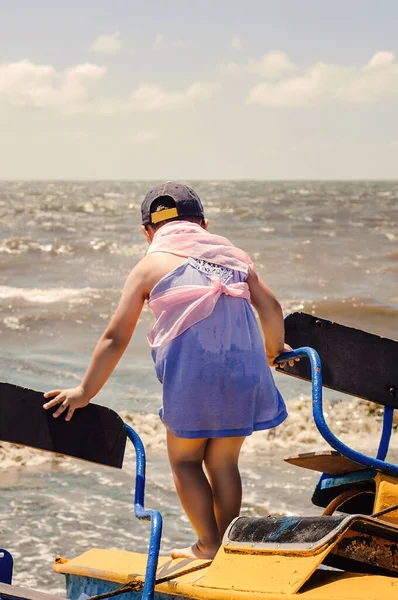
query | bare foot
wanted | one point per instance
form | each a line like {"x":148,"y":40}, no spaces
{"x":194,"y":552}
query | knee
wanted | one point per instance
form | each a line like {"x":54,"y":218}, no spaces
{"x":182,"y":466}
{"x":217,"y":463}
{"x":223,"y":454}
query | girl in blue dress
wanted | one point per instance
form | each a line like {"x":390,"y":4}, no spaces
{"x":208,"y":352}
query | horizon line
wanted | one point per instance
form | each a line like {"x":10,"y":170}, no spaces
{"x":200,"y":179}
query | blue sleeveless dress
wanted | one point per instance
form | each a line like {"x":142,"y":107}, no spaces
{"x":215,"y":376}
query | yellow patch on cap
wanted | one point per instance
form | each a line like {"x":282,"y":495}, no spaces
{"x":163,"y":215}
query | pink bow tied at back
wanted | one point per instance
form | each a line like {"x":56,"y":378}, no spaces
{"x":180,"y":307}
{"x":219,"y":286}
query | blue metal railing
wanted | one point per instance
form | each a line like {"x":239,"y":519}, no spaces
{"x":317,"y":407}
{"x":146,"y":515}
{"x":6,"y":565}
{"x":388,"y":417}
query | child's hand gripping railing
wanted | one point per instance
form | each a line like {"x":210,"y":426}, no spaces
{"x":146,"y":515}
{"x":377,"y":463}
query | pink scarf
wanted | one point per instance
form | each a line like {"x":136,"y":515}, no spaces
{"x":178,"y":308}
{"x":189,"y":239}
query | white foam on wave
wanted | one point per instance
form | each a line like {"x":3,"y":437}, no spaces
{"x":22,"y":245}
{"x":355,"y":421}
{"x":112,"y":247}
{"x":14,"y":456}
{"x":352,"y":419}
{"x":14,"y":323}
{"x":49,"y":295}
{"x":17,"y":246}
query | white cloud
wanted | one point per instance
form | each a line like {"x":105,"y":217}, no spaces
{"x":381,"y":58}
{"x":229,"y":68}
{"x":107,"y":44}
{"x":273,"y":64}
{"x":322,"y":83}
{"x":144,"y":136}
{"x":155,"y":97}
{"x":236,"y":42}
{"x":25,"y":84}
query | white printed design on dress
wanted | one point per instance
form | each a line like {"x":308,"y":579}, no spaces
{"x":212,"y":270}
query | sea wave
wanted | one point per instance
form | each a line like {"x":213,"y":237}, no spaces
{"x":24,"y":245}
{"x":13,"y":323}
{"x":363,"y":313}
{"x":330,"y":307}
{"x":71,"y":305}
{"x":49,"y":295}
{"x":353,"y":419}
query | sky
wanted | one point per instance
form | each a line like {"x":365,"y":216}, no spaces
{"x":198,"y":89}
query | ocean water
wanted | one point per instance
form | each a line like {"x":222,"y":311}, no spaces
{"x":66,"y":249}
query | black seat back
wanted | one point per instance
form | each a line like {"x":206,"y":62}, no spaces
{"x":95,"y":433}
{"x":353,"y":362}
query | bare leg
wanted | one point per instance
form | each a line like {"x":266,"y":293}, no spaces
{"x":186,"y":458}
{"x":221,"y":460}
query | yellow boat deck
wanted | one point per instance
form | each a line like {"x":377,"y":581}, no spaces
{"x":251,"y":579}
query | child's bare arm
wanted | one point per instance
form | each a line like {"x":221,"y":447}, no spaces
{"x":110,"y":347}
{"x":271,"y":317}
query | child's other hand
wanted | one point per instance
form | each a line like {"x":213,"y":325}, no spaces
{"x":272,"y":358}
{"x":70,"y":399}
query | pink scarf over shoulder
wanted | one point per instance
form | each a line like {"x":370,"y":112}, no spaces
{"x":178,"y":308}
{"x":191,"y":240}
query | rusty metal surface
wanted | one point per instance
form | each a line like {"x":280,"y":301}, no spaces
{"x":376,"y":553}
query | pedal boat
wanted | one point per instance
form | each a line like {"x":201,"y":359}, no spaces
{"x":348,"y":553}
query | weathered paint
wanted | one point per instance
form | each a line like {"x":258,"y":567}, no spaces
{"x":266,"y":573}
{"x":231,"y":576}
{"x":323,"y":585}
{"x":120,"y":566}
{"x":240,"y":572}
{"x":386,"y":496}
{"x":78,"y":585}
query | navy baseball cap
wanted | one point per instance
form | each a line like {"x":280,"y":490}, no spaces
{"x":187,"y":203}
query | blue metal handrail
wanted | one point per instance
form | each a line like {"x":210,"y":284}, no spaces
{"x":317,"y":408}
{"x":388,"y":417}
{"x":6,"y":565}
{"x":145,"y":515}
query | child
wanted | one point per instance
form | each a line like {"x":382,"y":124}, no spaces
{"x":208,"y":354}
